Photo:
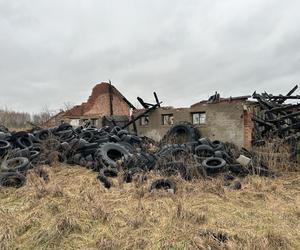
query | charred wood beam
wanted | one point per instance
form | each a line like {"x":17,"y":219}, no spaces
{"x":140,"y":115}
{"x":285,"y":97}
{"x":282,"y":108}
{"x":293,"y":126}
{"x":156,"y":99}
{"x":285,"y":117}
{"x":141,"y":101}
{"x":262,"y":122}
{"x":289,"y":94}
{"x":262,"y":102}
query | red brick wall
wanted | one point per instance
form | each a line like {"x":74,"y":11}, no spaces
{"x":98,"y":103}
{"x":100,"y":106}
{"x":120,"y":107}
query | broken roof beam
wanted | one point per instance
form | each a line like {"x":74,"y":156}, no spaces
{"x":285,"y":117}
{"x":281,"y":108}
{"x":282,"y":100}
{"x":156,"y":99}
{"x":262,"y":122}
{"x":262,"y":101}
{"x":140,"y":115}
{"x":285,"y":97}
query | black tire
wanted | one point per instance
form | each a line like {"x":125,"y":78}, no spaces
{"x":217,"y":145}
{"x":65,"y":147}
{"x":42,"y":135}
{"x":163,"y":184}
{"x":219,"y":154}
{"x":24,"y":142}
{"x":115,"y":130}
{"x":4,"y":147}
{"x":127,"y":145}
{"x":122,"y":132}
{"x":181,"y":132}
{"x":114,"y":138}
{"x":105,"y":181}
{"x":238,"y":169}
{"x":66,"y":135}
{"x":12,"y":179}
{"x":87,"y":135}
{"x":204,"y":141}
{"x":25,"y":152}
{"x":204,"y":151}
{"x":64,"y":126}
{"x":109,"y":172}
{"x":102,"y":138}
{"x":34,"y":154}
{"x":111,"y":152}
{"x":214,"y":164}
{"x":17,"y":164}
{"x":4,"y":136}
{"x":180,"y":153}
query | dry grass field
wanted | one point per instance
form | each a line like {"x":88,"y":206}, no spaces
{"x":72,"y":210}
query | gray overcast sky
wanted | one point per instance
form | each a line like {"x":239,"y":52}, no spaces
{"x":55,"y":51}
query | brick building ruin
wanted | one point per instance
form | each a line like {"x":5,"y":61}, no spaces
{"x":226,"y":119}
{"x":104,"y":102}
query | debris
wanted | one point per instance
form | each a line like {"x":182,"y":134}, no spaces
{"x":163,"y":184}
{"x":275,"y":119}
{"x":243,"y":160}
{"x":110,"y":150}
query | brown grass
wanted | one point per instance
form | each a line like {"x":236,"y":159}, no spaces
{"x":74,"y":211}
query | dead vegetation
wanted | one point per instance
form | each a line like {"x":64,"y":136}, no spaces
{"x":72,"y":210}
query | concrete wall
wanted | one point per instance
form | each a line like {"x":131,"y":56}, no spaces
{"x":225,"y":121}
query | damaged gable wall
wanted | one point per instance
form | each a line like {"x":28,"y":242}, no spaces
{"x":98,"y":104}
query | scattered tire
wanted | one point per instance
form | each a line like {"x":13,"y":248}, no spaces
{"x":163,"y":184}
{"x":12,"y":179}
{"x":214,"y":164}
{"x":108,"y":172}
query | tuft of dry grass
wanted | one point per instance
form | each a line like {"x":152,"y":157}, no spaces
{"x":277,"y":155}
{"x":72,"y":210}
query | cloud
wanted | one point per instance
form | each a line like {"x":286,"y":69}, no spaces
{"x":54,"y":52}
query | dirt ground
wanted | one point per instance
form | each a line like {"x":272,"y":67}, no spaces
{"x":72,"y":210}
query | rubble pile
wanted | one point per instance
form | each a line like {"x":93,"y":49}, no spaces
{"x":276,"y":119}
{"x":113,"y":151}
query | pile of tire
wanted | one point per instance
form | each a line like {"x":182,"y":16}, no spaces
{"x":112,"y":152}
{"x":90,"y":147}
